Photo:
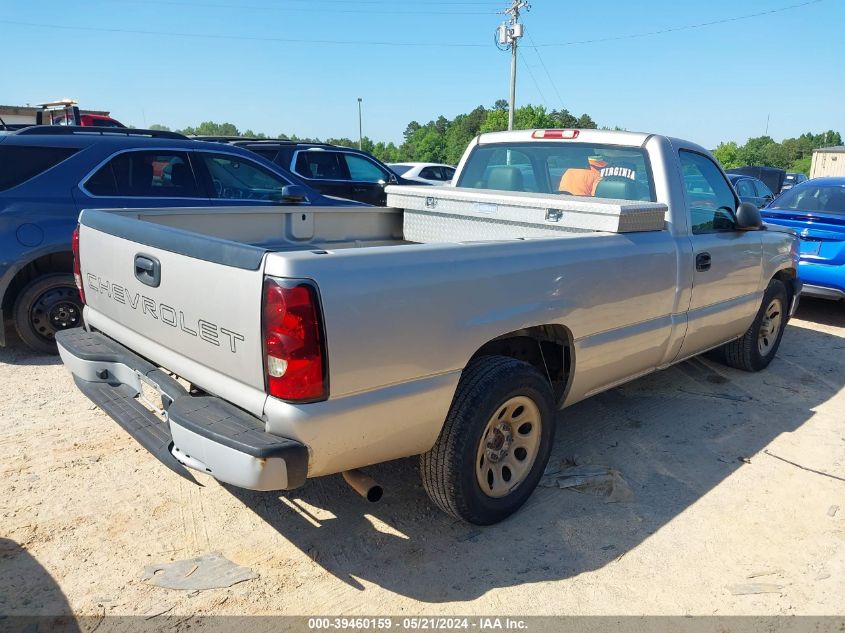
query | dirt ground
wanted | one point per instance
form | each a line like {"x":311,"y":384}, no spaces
{"x":83,"y":509}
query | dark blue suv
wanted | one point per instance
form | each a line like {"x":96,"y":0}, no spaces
{"x":49,"y":174}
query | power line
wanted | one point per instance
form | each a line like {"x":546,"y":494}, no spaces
{"x":216,"y":36}
{"x":247,"y":38}
{"x":289,"y":9}
{"x":684,"y":27}
{"x":536,"y":85}
{"x":548,"y":74}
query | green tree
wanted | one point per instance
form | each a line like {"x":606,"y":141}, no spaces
{"x":727,"y":154}
{"x":159,"y":127}
{"x":210,"y":128}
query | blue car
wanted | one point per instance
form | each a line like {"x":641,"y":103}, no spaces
{"x":815,"y":209}
{"x":49,"y":174}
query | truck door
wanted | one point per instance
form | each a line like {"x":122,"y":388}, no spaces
{"x":727,"y":262}
{"x":141,"y":179}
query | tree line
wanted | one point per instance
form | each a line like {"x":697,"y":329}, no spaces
{"x":444,"y":140}
{"x":791,"y":154}
{"x":438,"y":141}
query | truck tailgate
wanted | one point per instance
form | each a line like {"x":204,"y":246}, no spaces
{"x":189,"y":302}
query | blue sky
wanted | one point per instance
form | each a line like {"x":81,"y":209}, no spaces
{"x":179,"y":62}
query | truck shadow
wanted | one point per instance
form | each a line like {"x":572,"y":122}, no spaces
{"x":674,"y":436}
{"x":30,"y":598}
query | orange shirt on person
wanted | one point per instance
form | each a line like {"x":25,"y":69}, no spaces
{"x":580,"y":182}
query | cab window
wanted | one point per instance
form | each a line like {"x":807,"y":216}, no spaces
{"x":567,"y":168}
{"x":710,"y":199}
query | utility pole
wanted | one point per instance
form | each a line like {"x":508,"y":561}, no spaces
{"x":508,"y":35}
{"x":360,"y":127}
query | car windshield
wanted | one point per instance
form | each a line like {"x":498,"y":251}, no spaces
{"x":578,"y":169}
{"x":400,"y":169}
{"x":823,"y":198}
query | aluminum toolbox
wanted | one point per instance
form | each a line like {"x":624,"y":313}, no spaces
{"x":458,"y":214}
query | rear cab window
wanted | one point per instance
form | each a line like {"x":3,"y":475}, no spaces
{"x":24,"y":162}
{"x":579,"y":169}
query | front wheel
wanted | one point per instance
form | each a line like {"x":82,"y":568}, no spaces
{"x":758,"y":346}
{"x":45,"y":306}
{"x":495,"y":442}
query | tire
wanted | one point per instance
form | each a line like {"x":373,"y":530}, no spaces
{"x":758,"y":346}
{"x":485,"y":483}
{"x":46,"y":305}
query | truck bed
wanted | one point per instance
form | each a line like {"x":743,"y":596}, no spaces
{"x":281,"y":229}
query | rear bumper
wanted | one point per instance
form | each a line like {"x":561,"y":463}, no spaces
{"x":204,"y":433}
{"x":823,"y":280}
{"x":822,"y":292}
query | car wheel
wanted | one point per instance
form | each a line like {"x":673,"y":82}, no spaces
{"x":495,"y":442}
{"x":758,"y":346}
{"x":45,"y":306}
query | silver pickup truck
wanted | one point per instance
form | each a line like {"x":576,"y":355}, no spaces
{"x":265,"y":346}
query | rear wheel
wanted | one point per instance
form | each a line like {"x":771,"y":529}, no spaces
{"x":45,"y":306}
{"x":758,"y":346}
{"x":495,"y":442}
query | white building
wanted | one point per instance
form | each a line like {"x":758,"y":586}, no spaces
{"x":828,"y":161}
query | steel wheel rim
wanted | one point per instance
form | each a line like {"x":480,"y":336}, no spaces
{"x":509,"y":446}
{"x":56,"y":309}
{"x":769,"y":327}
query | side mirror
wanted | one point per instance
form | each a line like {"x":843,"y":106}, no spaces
{"x":392,"y":180}
{"x":293,"y":193}
{"x":748,"y":217}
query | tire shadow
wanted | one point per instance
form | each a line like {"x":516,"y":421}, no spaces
{"x":16,"y":353}
{"x":673,"y":435}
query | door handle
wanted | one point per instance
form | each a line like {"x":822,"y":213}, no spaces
{"x":702,"y":262}
{"x":148,"y":270}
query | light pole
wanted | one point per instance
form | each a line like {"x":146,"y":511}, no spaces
{"x":360,"y":127}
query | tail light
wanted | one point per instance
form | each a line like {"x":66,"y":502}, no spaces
{"x":563,"y":134}
{"x":77,"y":269}
{"x":294,"y":346}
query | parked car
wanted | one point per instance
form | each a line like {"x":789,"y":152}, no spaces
{"x":815,"y":209}
{"x":331,"y":169}
{"x":51,"y":173}
{"x":751,"y":190}
{"x":772,"y":176}
{"x":340,"y":342}
{"x":791,"y":179}
{"x":428,"y":173}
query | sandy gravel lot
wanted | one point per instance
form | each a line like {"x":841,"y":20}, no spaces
{"x":83,"y":509}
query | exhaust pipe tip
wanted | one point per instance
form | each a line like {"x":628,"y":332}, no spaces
{"x":363,"y":484}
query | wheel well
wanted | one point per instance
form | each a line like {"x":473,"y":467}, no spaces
{"x":786,"y":276}
{"x":46,"y":264}
{"x":547,"y":347}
